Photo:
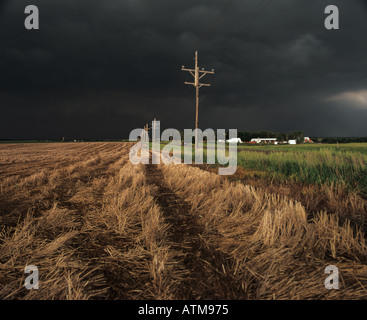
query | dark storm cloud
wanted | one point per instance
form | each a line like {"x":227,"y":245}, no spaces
{"x":100,"y":69}
{"x":2,"y":4}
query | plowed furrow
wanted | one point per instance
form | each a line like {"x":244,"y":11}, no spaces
{"x":210,"y":270}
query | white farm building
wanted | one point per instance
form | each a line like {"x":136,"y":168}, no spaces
{"x":234,"y":140}
{"x":264,"y":140}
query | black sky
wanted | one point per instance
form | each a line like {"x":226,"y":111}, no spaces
{"x":98,"y":69}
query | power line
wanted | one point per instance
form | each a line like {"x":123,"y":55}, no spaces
{"x":254,"y":13}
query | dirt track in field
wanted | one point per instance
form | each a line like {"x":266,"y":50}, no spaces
{"x":209,"y":270}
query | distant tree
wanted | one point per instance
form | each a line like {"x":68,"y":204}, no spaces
{"x":296,"y":135}
{"x":245,"y":136}
{"x":332,"y":140}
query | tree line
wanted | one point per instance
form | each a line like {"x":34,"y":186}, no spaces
{"x":340,"y":139}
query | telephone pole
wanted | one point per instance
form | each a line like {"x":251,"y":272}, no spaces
{"x":146,"y":133}
{"x":197,"y":74}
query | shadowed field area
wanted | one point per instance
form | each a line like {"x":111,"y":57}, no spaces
{"x":99,"y":227}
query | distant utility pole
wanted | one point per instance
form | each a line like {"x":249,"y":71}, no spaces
{"x":197,"y":76}
{"x":146,"y":133}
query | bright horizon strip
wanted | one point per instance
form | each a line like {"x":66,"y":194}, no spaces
{"x":158,"y":155}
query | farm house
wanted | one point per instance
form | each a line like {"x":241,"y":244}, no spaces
{"x":264,"y":140}
{"x":234,"y":140}
{"x":307,"y":139}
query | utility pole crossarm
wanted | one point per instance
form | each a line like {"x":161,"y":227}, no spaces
{"x":206,"y":71}
{"x":193,"y":70}
{"x":185,"y":69}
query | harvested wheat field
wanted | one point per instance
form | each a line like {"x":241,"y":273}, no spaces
{"x":99,"y":227}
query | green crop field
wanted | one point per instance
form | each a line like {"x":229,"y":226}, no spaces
{"x":341,"y":165}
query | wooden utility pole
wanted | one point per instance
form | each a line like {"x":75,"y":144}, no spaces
{"x":197,"y":74}
{"x":143,"y":134}
{"x":146,"y":133}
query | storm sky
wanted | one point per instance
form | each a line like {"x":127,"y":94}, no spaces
{"x":99,"y":69}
